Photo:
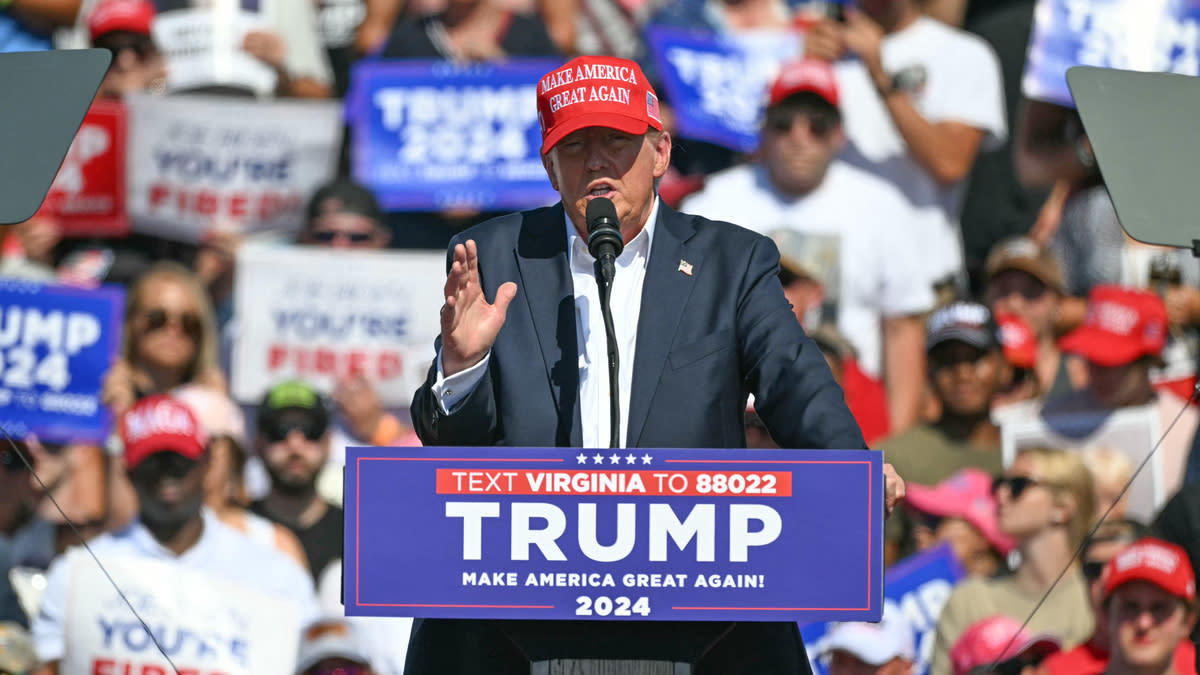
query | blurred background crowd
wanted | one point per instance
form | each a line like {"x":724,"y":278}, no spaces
{"x":948,"y":242}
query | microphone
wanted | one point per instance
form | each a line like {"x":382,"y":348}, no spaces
{"x":605,"y":244}
{"x":604,"y":235}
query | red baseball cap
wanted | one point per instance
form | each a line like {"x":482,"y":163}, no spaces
{"x":992,"y":639}
{"x":595,"y":91}
{"x":812,"y":75}
{"x":1018,"y":340}
{"x":161,"y":424}
{"x":1122,"y":325}
{"x":135,"y":16}
{"x":967,"y":494}
{"x":1161,"y":563}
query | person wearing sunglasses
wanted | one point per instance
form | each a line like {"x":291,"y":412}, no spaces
{"x":165,"y":456}
{"x":170,"y":338}
{"x":331,"y":646}
{"x":294,"y":442}
{"x":1023,"y":279}
{"x":344,"y":214}
{"x":876,"y":284}
{"x":1046,"y":502}
{"x":123,"y":27}
{"x":1091,"y":657}
{"x":1149,"y":608}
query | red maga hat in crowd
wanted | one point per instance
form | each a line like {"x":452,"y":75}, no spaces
{"x":1121,"y":326}
{"x":161,"y":423}
{"x":595,"y":91}
{"x":811,"y":75}
{"x":1155,"y":561}
{"x":135,"y":16}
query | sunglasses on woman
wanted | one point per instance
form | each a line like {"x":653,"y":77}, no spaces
{"x":1016,"y":484}
{"x":156,"y":319}
{"x":327,"y":236}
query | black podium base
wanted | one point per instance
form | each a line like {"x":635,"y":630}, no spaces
{"x":470,"y":647}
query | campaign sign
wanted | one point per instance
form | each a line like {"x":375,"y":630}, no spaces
{"x":320,"y":314}
{"x":87,"y":197}
{"x":203,"y":47}
{"x":432,"y":135}
{"x":205,"y":624}
{"x":56,"y":343}
{"x":636,"y":534}
{"x":1141,"y":35}
{"x":717,"y":84}
{"x":199,"y":161}
{"x":916,"y":587}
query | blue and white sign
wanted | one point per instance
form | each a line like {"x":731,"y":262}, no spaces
{"x":916,"y":587}
{"x":637,"y":534}
{"x":1141,"y":35}
{"x":717,"y":84}
{"x":56,"y":343}
{"x":431,"y":135}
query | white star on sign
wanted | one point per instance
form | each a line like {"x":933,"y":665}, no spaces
{"x":615,"y":459}
{"x":630,"y":459}
{"x":646,"y":459}
{"x":582,"y":458}
{"x":598,"y":458}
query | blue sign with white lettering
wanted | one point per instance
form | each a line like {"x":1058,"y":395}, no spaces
{"x":433,"y":135}
{"x":636,"y":534}
{"x":56,"y":343}
{"x":916,"y":587}
{"x":1123,"y":34}
{"x":717,"y":84}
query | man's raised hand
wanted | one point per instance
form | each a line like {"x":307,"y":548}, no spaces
{"x":470,"y":323}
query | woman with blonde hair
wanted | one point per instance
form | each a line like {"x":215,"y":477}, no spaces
{"x":170,"y":338}
{"x":1047,"y":502}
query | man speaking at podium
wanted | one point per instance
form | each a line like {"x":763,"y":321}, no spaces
{"x":699,"y":319}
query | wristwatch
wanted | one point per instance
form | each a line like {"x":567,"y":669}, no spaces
{"x":908,"y":79}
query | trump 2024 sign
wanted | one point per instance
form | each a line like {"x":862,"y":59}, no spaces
{"x":635,"y":534}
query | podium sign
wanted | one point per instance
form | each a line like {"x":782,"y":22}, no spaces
{"x":631,"y":534}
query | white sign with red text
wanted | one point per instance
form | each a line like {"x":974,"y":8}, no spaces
{"x":319,"y":314}
{"x":208,"y":626}
{"x":195,"y":161}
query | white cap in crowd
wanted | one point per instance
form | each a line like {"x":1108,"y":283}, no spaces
{"x":873,"y":643}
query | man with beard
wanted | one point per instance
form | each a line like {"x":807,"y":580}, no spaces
{"x":293,"y":441}
{"x":166,"y":459}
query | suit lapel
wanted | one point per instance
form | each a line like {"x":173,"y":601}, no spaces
{"x":541,"y":255}
{"x":664,"y":294}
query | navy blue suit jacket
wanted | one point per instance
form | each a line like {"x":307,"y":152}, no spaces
{"x":704,"y":341}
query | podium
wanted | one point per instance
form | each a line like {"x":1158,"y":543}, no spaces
{"x":553,"y":561}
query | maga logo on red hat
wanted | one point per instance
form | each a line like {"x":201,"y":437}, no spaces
{"x":161,"y":423}
{"x":595,"y":91}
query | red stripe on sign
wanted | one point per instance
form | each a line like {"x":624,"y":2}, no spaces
{"x":508,"y":481}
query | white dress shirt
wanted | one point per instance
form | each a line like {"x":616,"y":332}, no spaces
{"x":590,"y":338}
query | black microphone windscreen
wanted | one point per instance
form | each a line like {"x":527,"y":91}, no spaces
{"x":601,"y":210}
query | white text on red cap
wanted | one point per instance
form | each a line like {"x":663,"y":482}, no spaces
{"x":160,"y":418}
{"x":1148,"y":556}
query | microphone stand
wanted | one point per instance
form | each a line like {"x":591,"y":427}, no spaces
{"x":605,"y":271}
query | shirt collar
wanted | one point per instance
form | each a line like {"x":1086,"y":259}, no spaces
{"x":640,"y":244}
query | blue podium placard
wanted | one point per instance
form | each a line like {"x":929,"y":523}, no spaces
{"x":717,"y":84}
{"x":432,"y":135}
{"x":56,"y":343}
{"x":638,"y":534}
{"x":918,"y":588}
{"x":1136,"y":35}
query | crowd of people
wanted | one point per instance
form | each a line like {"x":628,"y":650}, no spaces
{"x":948,"y":245}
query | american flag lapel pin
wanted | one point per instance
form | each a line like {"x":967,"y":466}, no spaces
{"x":685,"y":267}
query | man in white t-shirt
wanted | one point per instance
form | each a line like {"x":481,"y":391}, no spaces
{"x":878,"y":284}
{"x":165,"y":455}
{"x":920,"y":100}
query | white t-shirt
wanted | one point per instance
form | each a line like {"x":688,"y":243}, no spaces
{"x":221,"y":551}
{"x":962,"y":84}
{"x":880,"y":272}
